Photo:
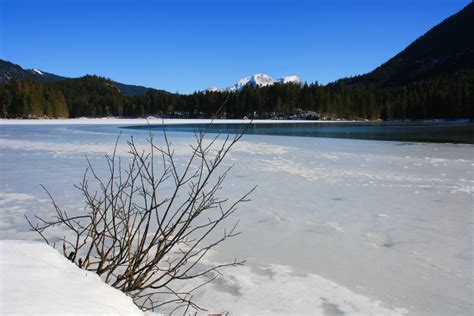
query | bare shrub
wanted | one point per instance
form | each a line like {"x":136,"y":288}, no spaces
{"x":149,"y":224}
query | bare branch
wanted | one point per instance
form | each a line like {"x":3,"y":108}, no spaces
{"x":150,"y":222}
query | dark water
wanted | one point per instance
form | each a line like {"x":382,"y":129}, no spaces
{"x":437,"y":132}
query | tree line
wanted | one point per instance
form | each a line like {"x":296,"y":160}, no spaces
{"x":32,"y":99}
{"x":447,"y":97}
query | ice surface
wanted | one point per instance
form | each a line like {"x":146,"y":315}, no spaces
{"x":335,"y":226}
{"x":36,"y":279}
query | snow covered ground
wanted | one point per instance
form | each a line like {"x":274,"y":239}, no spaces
{"x":335,"y":226}
{"x":36,"y":279}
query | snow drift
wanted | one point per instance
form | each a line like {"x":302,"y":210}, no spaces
{"x":36,"y":279}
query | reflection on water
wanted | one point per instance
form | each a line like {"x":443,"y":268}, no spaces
{"x":437,"y":132}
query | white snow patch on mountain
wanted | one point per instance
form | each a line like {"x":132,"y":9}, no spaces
{"x":214,"y":89}
{"x":292,"y":79}
{"x":37,"y":72}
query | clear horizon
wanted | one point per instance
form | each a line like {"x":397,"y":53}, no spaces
{"x":184,"y":46}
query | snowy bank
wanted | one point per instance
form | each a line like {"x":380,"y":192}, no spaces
{"x":36,"y":279}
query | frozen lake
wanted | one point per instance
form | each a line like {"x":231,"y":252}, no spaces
{"x":336,"y":225}
{"x":457,"y":131}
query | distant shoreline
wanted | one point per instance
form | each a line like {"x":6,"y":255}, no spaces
{"x":171,"y":121}
{"x":151,"y":120}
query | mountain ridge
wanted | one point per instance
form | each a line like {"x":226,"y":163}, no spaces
{"x":445,"y":49}
{"x":9,"y":71}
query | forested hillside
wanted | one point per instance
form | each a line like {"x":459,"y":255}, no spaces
{"x":446,"y":97}
{"x":444,"y":50}
{"x":10,"y":71}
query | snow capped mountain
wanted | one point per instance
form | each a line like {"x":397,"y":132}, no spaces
{"x":258,"y":80}
{"x":214,"y":89}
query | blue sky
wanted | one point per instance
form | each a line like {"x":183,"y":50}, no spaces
{"x":190,"y":45}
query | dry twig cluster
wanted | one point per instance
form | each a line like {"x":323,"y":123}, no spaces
{"x":149,"y":224}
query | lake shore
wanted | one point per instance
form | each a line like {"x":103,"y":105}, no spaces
{"x":151,"y":120}
{"x":437,"y":131}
